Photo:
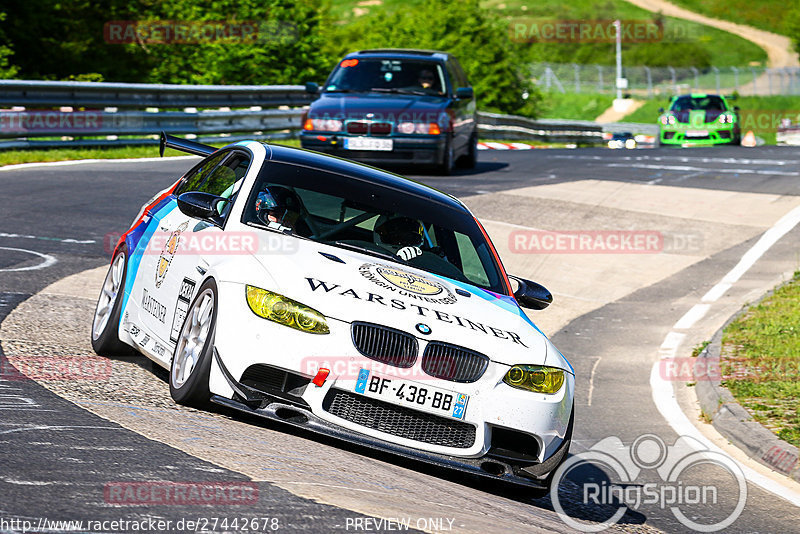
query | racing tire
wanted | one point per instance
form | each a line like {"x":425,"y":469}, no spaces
{"x":470,"y":159}
{"x":446,"y":166}
{"x":105,"y":325}
{"x":191,"y":362}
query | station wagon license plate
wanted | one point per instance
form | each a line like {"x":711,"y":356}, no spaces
{"x":368,"y":143}
{"x":413,"y":395}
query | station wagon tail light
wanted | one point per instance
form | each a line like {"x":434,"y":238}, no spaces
{"x":536,"y":378}
{"x":323,"y":125}
{"x":285,"y":311}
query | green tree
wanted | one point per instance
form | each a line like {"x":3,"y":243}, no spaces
{"x":7,"y":70}
{"x":476,"y":36}
{"x":284,"y":50}
{"x":793,"y":26}
{"x":63,"y":40}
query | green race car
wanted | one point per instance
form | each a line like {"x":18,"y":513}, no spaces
{"x":699,"y":120}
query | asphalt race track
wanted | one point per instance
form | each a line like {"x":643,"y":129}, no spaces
{"x":67,"y":443}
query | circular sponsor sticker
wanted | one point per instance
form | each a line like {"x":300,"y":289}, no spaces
{"x":408,"y":284}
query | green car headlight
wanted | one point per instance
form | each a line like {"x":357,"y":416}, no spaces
{"x":285,"y":311}
{"x":536,"y":378}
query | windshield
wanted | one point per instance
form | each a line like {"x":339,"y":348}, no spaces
{"x":373,"y":219}
{"x":687,"y":103}
{"x":388,"y":75}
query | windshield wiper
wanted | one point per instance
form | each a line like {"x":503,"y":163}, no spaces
{"x":368,"y":251}
{"x":398,"y":91}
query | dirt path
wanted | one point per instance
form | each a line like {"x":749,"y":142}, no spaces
{"x":778,"y":47}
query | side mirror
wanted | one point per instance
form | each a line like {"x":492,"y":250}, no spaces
{"x":465,"y":93}
{"x":661,"y":110}
{"x":312,"y":88}
{"x":531,"y":295}
{"x":201,"y":205}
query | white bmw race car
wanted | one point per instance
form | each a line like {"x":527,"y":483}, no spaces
{"x":343,"y":299}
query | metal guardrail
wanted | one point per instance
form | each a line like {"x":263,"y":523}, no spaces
{"x":500,"y":126}
{"x":93,"y":123}
{"x":26,"y":126}
{"x":140,"y":95}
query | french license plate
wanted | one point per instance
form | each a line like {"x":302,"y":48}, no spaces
{"x":696,"y":133}
{"x":424,"y":398}
{"x":368,"y":143}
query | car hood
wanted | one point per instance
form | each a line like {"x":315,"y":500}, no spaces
{"x":698,"y":117}
{"x":350,"y":286}
{"x":384,"y":107}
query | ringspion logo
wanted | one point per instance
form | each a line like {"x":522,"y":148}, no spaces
{"x":650,"y":473}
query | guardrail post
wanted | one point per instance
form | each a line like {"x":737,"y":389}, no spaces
{"x":674,"y":79}
{"x":735,"y":79}
{"x":547,"y":75}
{"x":696,"y":78}
{"x":716,"y":76}
{"x":577,"y":70}
{"x":649,"y":82}
{"x":753,"y":72}
{"x":600,"y":78}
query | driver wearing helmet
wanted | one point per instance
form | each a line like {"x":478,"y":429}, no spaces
{"x":403,"y":236}
{"x":278,"y":207}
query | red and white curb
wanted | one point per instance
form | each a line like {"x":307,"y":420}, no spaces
{"x":505,"y":146}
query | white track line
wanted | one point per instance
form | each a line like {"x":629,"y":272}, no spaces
{"x":663,"y":391}
{"x":22,"y":166}
{"x":48,"y":260}
{"x":695,"y":313}
{"x":55,"y":239}
{"x":710,"y":170}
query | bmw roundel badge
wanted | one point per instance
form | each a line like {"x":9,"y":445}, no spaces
{"x":423,"y":329}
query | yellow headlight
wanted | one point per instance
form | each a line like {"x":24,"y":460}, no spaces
{"x":285,"y":311}
{"x":536,"y":378}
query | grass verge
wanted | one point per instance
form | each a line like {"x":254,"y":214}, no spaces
{"x":761,"y":358}
{"x":769,"y":15}
{"x":12,"y":157}
{"x":580,"y":106}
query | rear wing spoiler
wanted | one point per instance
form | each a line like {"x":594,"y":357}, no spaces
{"x":184,"y":145}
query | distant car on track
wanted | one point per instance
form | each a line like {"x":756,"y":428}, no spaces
{"x":699,"y":119}
{"x":343,"y":299}
{"x":622,"y":140}
{"x":395,"y":106}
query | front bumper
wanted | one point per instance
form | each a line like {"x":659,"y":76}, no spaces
{"x":708,"y":135}
{"x":494,"y":464}
{"x":494,"y":410}
{"x":416,"y":150}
